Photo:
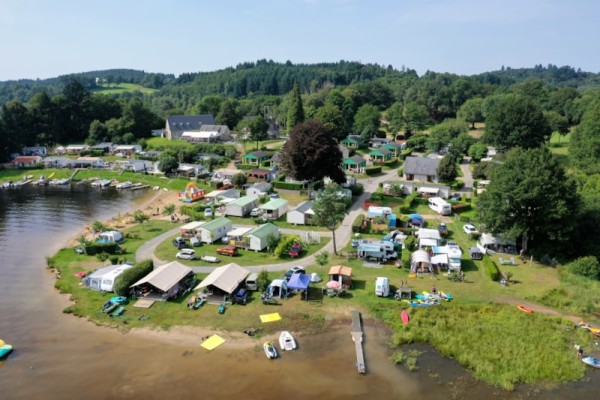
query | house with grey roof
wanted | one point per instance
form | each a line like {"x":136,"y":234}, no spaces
{"x":421,"y":169}
{"x":259,"y":189}
{"x":302,"y":214}
{"x":177,"y":124}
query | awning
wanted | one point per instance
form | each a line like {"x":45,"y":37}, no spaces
{"x":440,"y":259}
{"x":226,"y":278}
{"x":166,"y":276}
{"x":428,"y":190}
{"x":239,"y":232}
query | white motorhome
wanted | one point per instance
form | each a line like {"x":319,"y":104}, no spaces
{"x":374,"y":211}
{"x":376,"y":250}
{"x":440,"y":206}
{"x":382,"y":286}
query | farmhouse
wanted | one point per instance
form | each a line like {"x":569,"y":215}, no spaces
{"x":421,"y":169}
{"x":302,"y":214}
{"x":178,"y":124}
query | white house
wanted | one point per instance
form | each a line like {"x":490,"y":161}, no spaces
{"x":302,"y":214}
{"x":58,"y":162}
{"x":89,"y":162}
{"x":127,"y":149}
{"x":214,"y":230}
{"x":242,"y":206}
{"x":104,"y":278}
{"x":421,"y":169}
{"x":258,"y":238}
{"x":259,"y":189}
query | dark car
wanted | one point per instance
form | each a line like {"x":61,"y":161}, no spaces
{"x":241,"y":296}
{"x":179,"y":242}
{"x":443,"y":229}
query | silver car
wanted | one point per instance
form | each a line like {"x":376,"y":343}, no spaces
{"x":186,"y":254}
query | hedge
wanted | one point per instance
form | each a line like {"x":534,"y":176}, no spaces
{"x":247,"y":166}
{"x":391,"y":164}
{"x":461,"y":207}
{"x":287,"y":185}
{"x":491,"y":269}
{"x":406,"y":206}
{"x":372,"y":170}
{"x":404,"y":154}
{"x":97,"y":248}
{"x":357,"y":223}
{"x":131,"y":276}
{"x":357,"y":189}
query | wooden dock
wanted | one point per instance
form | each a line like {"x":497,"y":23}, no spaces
{"x":357,"y":338}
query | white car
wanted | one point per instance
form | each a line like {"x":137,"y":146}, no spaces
{"x":470,"y":229}
{"x":255,"y":212}
{"x":186,"y":254}
{"x":208,"y":212}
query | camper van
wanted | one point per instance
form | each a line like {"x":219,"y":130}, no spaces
{"x":440,"y":206}
{"x":382,"y":287}
{"x":252,"y":281}
{"x":377,"y":250}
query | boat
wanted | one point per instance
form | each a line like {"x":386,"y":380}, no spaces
{"x":270,"y":350}
{"x":101,"y":183}
{"x":591,"y":361}
{"x":446,"y":296}
{"x":405,"y":317}
{"x":198,"y":303}
{"x":124,"y":185}
{"x":210,"y":259}
{"x":5,"y":349}
{"x":118,"y":299}
{"x":286,"y":341}
{"x":524,"y":309}
{"x":584,"y":325}
{"x":109,"y":307}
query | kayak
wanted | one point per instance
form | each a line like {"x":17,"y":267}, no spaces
{"x":591,"y":361}
{"x":405,"y":317}
{"x":5,"y":349}
{"x":524,"y":309}
{"x":446,"y":296}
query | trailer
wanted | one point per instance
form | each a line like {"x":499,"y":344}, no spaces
{"x":375,"y":211}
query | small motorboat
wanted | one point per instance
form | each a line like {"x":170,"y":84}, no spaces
{"x":5,"y":349}
{"x":119,"y":299}
{"x":270,"y":350}
{"x":210,"y":259}
{"x":101,"y":183}
{"x":124,"y":185}
{"x":286,"y":341}
{"x":591,"y":361}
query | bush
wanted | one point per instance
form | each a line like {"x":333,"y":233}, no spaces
{"x":460,"y":208}
{"x":586,"y":266}
{"x":404,"y":154}
{"x":131,"y":276}
{"x":401,"y":171}
{"x":357,"y":223}
{"x":263,"y":280}
{"x":372,"y":170}
{"x":287,"y":185}
{"x":491,"y":269}
{"x":391,"y":164}
{"x":284,"y":244}
{"x":410,"y":243}
{"x":377,"y":196}
{"x":97,"y":248}
{"x":408,"y":201}
{"x":322,"y":258}
{"x":357,"y":189}
{"x":246,"y":167}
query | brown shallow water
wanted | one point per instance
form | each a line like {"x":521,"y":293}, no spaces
{"x":58,"y":356}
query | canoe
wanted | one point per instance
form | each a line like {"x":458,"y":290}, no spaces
{"x":199,"y":303}
{"x":109,"y":307}
{"x":286,"y":341}
{"x":405,"y":317}
{"x":270,"y":350}
{"x":591,"y":361}
{"x":446,"y":296}
{"x":118,"y":311}
{"x":5,"y":349}
{"x":524,"y":309}
{"x":118,"y":299}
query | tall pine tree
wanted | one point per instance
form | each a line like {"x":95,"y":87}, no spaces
{"x":295,"y":114}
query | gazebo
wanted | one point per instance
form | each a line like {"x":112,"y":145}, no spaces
{"x":300,"y":282}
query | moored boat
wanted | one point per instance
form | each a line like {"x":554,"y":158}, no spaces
{"x":591,"y":361}
{"x":124,"y":185}
{"x":5,"y":349}
{"x":270,"y":350}
{"x":287,"y":341}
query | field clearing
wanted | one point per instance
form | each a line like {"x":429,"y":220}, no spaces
{"x":123,"y":88}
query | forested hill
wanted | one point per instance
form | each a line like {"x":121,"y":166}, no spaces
{"x":272,"y":78}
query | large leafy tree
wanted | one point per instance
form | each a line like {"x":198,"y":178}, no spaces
{"x":329,"y":210}
{"x":258,"y":128}
{"x":311,"y":153}
{"x":585,"y":141}
{"x":442,"y":134}
{"x":515,"y":120}
{"x":167,"y":162}
{"x":16,"y":123}
{"x":228,"y":114}
{"x":446,"y":170}
{"x":366,"y":121}
{"x":295,"y":113}
{"x":414,"y":117}
{"x":331,"y":117}
{"x":471,"y":111}
{"x":530,"y":197}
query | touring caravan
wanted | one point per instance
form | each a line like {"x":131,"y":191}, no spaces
{"x":375,"y":211}
{"x":440,"y":206}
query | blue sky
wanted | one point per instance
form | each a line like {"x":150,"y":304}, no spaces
{"x":47,"y":38}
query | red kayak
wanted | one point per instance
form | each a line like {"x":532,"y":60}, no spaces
{"x":404,"y":316}
{"x":524,"y":309}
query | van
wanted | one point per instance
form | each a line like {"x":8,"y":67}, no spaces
{"x":382,"y":287}
{"x":251,"y":281}
{"x":440,"y":206}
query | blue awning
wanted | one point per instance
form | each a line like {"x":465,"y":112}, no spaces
{"x":299,"y":282}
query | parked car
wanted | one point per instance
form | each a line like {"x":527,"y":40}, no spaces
{"x":179,"y":242}
{"x":274,"y":196}
{"x":443,"y":229}
{"x":295,"y":250}
{"x":292,"y":271}
{"x":229,"y":250}
{"x":195,"y":242}
{"x":456,"y":196}
{"x":186,"y":254}
{"x":240,"y":296}
{"x":208,"y":212}
{"x":470,"y":230}
{"x":255,"y":212}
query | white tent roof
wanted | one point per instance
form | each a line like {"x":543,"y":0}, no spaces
{"x":425,"y":189}
{"x":425,"y":233}
{"x":200,"y":135}
{"x":420,"y":256}
{"x":315,"y":278}
{"x":166,"y":276}
{"x":440,"y":259}
{"x":428,"y":242}
{"x":226,"y":278}
{"x":191,"y":225}
{"x":241,"y":231}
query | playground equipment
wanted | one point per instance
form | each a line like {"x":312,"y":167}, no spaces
{"x":191,"y":193}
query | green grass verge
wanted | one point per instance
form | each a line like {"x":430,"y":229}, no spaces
{"x":123,"y":88}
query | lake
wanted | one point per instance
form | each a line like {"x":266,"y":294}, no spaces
{"x":59,"y":356}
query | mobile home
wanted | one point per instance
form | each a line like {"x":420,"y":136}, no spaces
{"x":440,"y":206}
{"x":103,"y":279}
{"x":214,"y":230}
{"x":374,"y":211}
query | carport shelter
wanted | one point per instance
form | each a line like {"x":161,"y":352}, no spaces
{"x":225,"y":279}
{"x":299,"y":282}
{"x":167,"y":281}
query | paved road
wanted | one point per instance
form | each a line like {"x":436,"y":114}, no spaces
{"x":467,"y":177}
{"x":342,"y":234}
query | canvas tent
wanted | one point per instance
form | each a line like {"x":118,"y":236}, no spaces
{"x":420,"y":262}
{"x":226,"y":278}
{"x":111,"y":237}
{"x":168,"y":280}
{"x":315,"y":278}
{"x":278,"y":289}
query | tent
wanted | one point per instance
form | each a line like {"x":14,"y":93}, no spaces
{"x":110,"y":237}
{"x":226,"y":278}
{"x":278,"y":289}
{"x":420,"y":262}
{"x":314,"y":278}
{"x":168,"y":280}
{"x":299,"y":282}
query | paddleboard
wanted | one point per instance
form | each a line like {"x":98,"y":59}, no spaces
{"x":404,"y":316}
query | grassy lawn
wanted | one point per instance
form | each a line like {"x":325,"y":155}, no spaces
{"x":166,"y":251}
{"x":123,"y":88}
{"x":281,"y":222}
{"x":272,"y":144}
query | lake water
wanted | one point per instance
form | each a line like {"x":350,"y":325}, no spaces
{"x":59,"y":356}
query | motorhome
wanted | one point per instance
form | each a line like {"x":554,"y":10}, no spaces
{"x":376,"y":250}
{"x":440,"y":206}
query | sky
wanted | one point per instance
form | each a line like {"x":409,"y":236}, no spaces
{"x":47,"y":38}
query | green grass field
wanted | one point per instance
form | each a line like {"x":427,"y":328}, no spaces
{"x":123,"y":88}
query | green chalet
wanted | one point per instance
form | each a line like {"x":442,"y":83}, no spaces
{"x":355,"y":164}
{"x":395,"y":148}
{"x":381,"y":155}
{"x":257,"y":157}
{"x":353,"y":142}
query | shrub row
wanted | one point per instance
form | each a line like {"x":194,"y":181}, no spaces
{"x":491,"y":269}
{"x":408,"y":201}
{"x":357,"y":223}
{"x":287,"y":185}
{"x":391,"y":164}
{"x":246,"y":167}
{"x":372,"y":170}
{"x":357,"y":189}
{"x":97,"y":248}
{"x":131,"y":276}
{"x":461,"y":207}
{"x":404,"y":154}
